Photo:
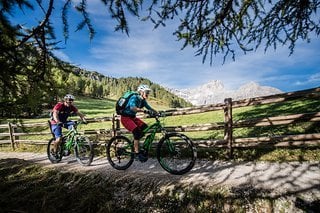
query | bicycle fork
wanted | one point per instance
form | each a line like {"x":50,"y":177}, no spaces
{"x":170,"y":145}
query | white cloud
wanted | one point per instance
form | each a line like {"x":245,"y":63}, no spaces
{"x":315,"y":77}
{"x":156,"y":55}
{"x":310,"y":80}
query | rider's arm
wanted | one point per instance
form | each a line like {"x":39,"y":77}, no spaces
{"x":82,"y":116}
{"x":133,"y":104}
{"x":149,"y":107}
{"x":136,"y":109}
{"x":55,"y":115}
{"x":55,"y":112}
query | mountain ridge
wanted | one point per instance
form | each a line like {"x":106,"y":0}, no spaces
{"x":214,"y":92}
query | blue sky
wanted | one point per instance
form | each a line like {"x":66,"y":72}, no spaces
{"x":156,"y":55}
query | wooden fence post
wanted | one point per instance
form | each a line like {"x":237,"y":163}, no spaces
{"x":11,"y":132}
{"x":228,"y":125}
{"x":115,"y":124}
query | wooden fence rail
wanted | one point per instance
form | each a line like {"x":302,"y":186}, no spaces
{"x":228,"y":125}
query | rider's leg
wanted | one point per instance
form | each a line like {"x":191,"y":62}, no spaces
{"x":137,"y":134}
{"x":130,"y":125}
{"x":134,"y":125}
{"x":69,"y":124}
{"x":136,"y":146}
{"x":141,"y":126}
{"x":56,"y":144}
{"x":57,"y":131}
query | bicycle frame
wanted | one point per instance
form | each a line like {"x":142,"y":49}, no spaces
{"x":151,"y":131}
{"x":69,"y":137}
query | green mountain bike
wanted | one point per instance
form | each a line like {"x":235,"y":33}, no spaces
{"x":74,"y":142}
{"x":175,"y":151}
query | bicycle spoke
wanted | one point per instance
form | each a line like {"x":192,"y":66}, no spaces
{"x":176,"y":153}
{"x":119,"y":152}
{"x":84,"y":150}
{"x":54,"y":157}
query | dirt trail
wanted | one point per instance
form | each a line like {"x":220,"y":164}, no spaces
{"x":278,"y":179}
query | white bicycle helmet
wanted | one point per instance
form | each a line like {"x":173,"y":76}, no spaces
{"x":69,"y":96}
{"x":143,"y":88}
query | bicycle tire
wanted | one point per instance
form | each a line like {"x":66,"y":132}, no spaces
{"x":176,"y":153}
{"x":83,"y":150}
{"x":54,"y":158}
{"x":120,"y":152}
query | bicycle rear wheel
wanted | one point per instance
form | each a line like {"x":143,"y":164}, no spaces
{"x":83,"y":150}
{"x":54,"y":157}
{"x":120,"y":152}
{"x":176,"y":153}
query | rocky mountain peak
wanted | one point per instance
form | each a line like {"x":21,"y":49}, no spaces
{"x":214,"y":92}
{"x":213,"y":85}
{"x":250,"y":85}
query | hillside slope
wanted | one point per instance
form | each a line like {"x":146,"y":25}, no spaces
{"x":97,"y":85}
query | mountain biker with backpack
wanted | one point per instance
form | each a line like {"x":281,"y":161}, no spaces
{"x":60,"y":113}
{"x":136,"y":103}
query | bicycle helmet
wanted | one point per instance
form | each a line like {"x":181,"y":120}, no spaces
{"x":69,"y":96}
{"x":143,"y":88}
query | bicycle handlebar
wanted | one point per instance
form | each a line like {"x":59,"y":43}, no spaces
{"x":153,"y":114}
{"x":80,"y":122}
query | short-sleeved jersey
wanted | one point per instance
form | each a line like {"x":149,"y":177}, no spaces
{"x":64,"y":112}
{"x":135,"y":101}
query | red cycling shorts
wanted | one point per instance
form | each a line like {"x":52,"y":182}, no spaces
{"x":131,"y":123}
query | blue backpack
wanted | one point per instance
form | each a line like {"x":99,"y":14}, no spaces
{"x":123,"y":101}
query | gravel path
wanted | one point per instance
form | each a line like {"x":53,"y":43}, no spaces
{"x":278,"y":179}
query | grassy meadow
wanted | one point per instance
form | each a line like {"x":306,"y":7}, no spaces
{"x":98,"y":108}
{"x":35,"y":181}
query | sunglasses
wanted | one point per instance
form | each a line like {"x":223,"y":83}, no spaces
{"x":70,"y":100}
{"x":147,"y":92}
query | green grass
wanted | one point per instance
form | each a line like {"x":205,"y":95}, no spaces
{"x":96,"y":108}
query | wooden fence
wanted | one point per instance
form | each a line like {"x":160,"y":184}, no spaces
{"x":228,"y":125}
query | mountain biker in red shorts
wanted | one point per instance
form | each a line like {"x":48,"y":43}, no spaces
{"x":132,"y":123}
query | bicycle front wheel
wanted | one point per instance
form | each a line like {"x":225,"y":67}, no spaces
{"x":176,"y":153}
{"x":54,"y":157}
{"x":83,"y":150}
{"x":120,"y":152}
